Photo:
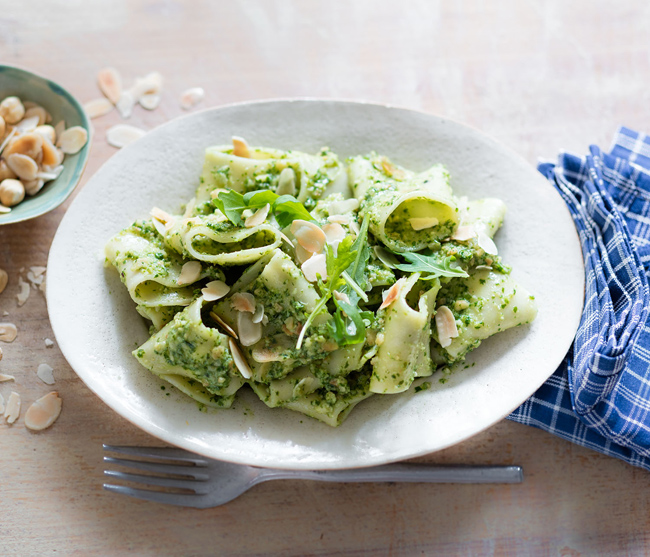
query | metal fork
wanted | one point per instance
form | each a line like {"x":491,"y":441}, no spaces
{"x":210,"y":483}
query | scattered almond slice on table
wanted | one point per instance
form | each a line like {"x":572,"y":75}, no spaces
{"x":43,"y":412}
{"x":2,"y":404}
{"x":23,"y":295}
{"x":8,"y":332}
{"x":110,"y":84}
{"x":46,"y":374}
{"x":98,"y":107}
{"x":12,"y":410}
{"x":4,"y":279}
{"x":191,"y":97}
{"x":122,"y":135}
{"x":4,"y":377}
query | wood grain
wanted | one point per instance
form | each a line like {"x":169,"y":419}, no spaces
{"x":538,"y":75}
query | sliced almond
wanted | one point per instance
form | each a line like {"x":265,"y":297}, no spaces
{"x":23,"y":294}
{"x":243,"y":301}
{"x":43,"y":412}
{"x":445,"y":325}
{"x":59,"y":128}
{"x":49,"y":343}
{"x":12,"y":411}
{"x":286,"y":182}
{"x":27,"y":124}
{"x":46,"y":374}
{"x":38,"y":112}
{"x":3,"y":126}
{"x":5,"y":172}
{"x":150,"y":84}
{"x":4,"y":377}
{"x":239,"y":359}
{"x":4,"y":210}
{"x":7,"y":139}
{"x":30,"y":144}
{"x":258,"y":217}
{"x":98,"y":107}
{"x":190,"y":273}
{"x":486,"y":243}
{"x":126,"y":104}
{"x":340,"y":219}
{"x":263,"y":355}
{"x":46,"y":131}
{"x":392,"y":293}
{"x":334,"y":233}
{"x":215,"y":290}
{"x":162,"y":216}
{"x":240,"y":147}
{"x":110,"y":84}
{"x":160,"y":227}
{"x":32,"y":187}
{"x":422,"y":223}
{"x":229,"y":330}
{"x":51,"y":155}
{"x":25,"y":167}
{"x":343,"y":207}
{"x":249,"y":332}
{"x":259,"y":314}
{"x":8,"y":332}
{"x":342,"y":296}
{"x":191,"y":97}
{"x":122,"y":135}
{"x":315,"y":266}
{"x":309,"y":235}
{"x":464,"y":233}
{"x":72,"y":140}
{"x":150,"y":101}
{"x":302,"y":254}
{"x":4,"y":279}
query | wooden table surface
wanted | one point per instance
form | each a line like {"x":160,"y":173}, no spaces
{"x":538,"y":75}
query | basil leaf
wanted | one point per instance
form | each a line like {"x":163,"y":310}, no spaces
{"x":435,"y":265}
{"x":260,"y":198}
{"x":287,"y":209}
{"x":231,"y":204}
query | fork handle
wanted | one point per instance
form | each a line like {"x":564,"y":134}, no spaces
{"x":415,"y":473}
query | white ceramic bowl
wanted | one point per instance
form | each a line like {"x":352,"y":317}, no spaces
{"x":97,"y":327}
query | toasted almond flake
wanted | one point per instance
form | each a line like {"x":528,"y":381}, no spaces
{"x":190,"y":273}
{"x":240,"y":147}
{"x":342,"y":296}
{"x":239,"y":359}
{"x":263,"y":355}
{"x":98,"y":107}
{"x":150,"y":84}
{"x":52,"y":157}
{"x":2,"y":404}
{"x":392,"y":170}
{"x":162,"y":216}
{"x":43,"y":412}
{"x":126,"y":104}
{"x":34,"y":280}
{"x":5,"y":171}
{"x":28,"y":124}
{"x":4,"y":377}
{"x":46,"y":374}
{"x":229,"y":330}
{"x":392,"y":293}
{"x":379,"y":339}
{"x":12,"y":411}
{"x":258,"y":217}
{"x":215,"y":290}
{"x":72,"y":140}
{"x":25,"y":167}
{"x":243,"y":301}
{"x":49,"y":343}
{"x":259,"y":314}
{"x":309,"y":235}
{"x":343,"y":207}
{"x":4,"y":210}
{"x":486,"y":243}
{"x":122,"y":135}
{"x":4,"y":279}
{"x":286,"y":182}
{"x":464,"y":233}
{"x":302,"y":254}
{"x":354,"y":227}
{"x":315,"y":266}
{"x":150,"y":101}
{"x":422,"y":223}
{"x":110,"y":84}
{"x":445,"y":325}
{"x":339,"y":219}
{"x":23,"y":295}
{"x":47,"y":132}
{"x":191,"y":97}
{"x":249,"y":332}
{"x":334,"y":233}
{"x":59,"y":128}
{"x":160,"y":227}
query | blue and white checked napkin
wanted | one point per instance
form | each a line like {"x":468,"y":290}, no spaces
{"x":599,"y":397}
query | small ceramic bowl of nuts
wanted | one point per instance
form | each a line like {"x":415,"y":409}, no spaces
{"x":44,"y":144}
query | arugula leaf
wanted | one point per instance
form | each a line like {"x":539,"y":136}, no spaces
{"x":435,"y":265}
{"x":287,"y":208}
{"x":231,"y":204}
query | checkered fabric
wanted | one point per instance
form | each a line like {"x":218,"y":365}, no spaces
{"x":599,"y":397}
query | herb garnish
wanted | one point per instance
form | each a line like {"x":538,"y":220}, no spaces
{"x":285,"y":208}
{"x":435,"y":265}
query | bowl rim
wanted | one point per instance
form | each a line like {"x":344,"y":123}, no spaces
{"x":71,"y":185}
